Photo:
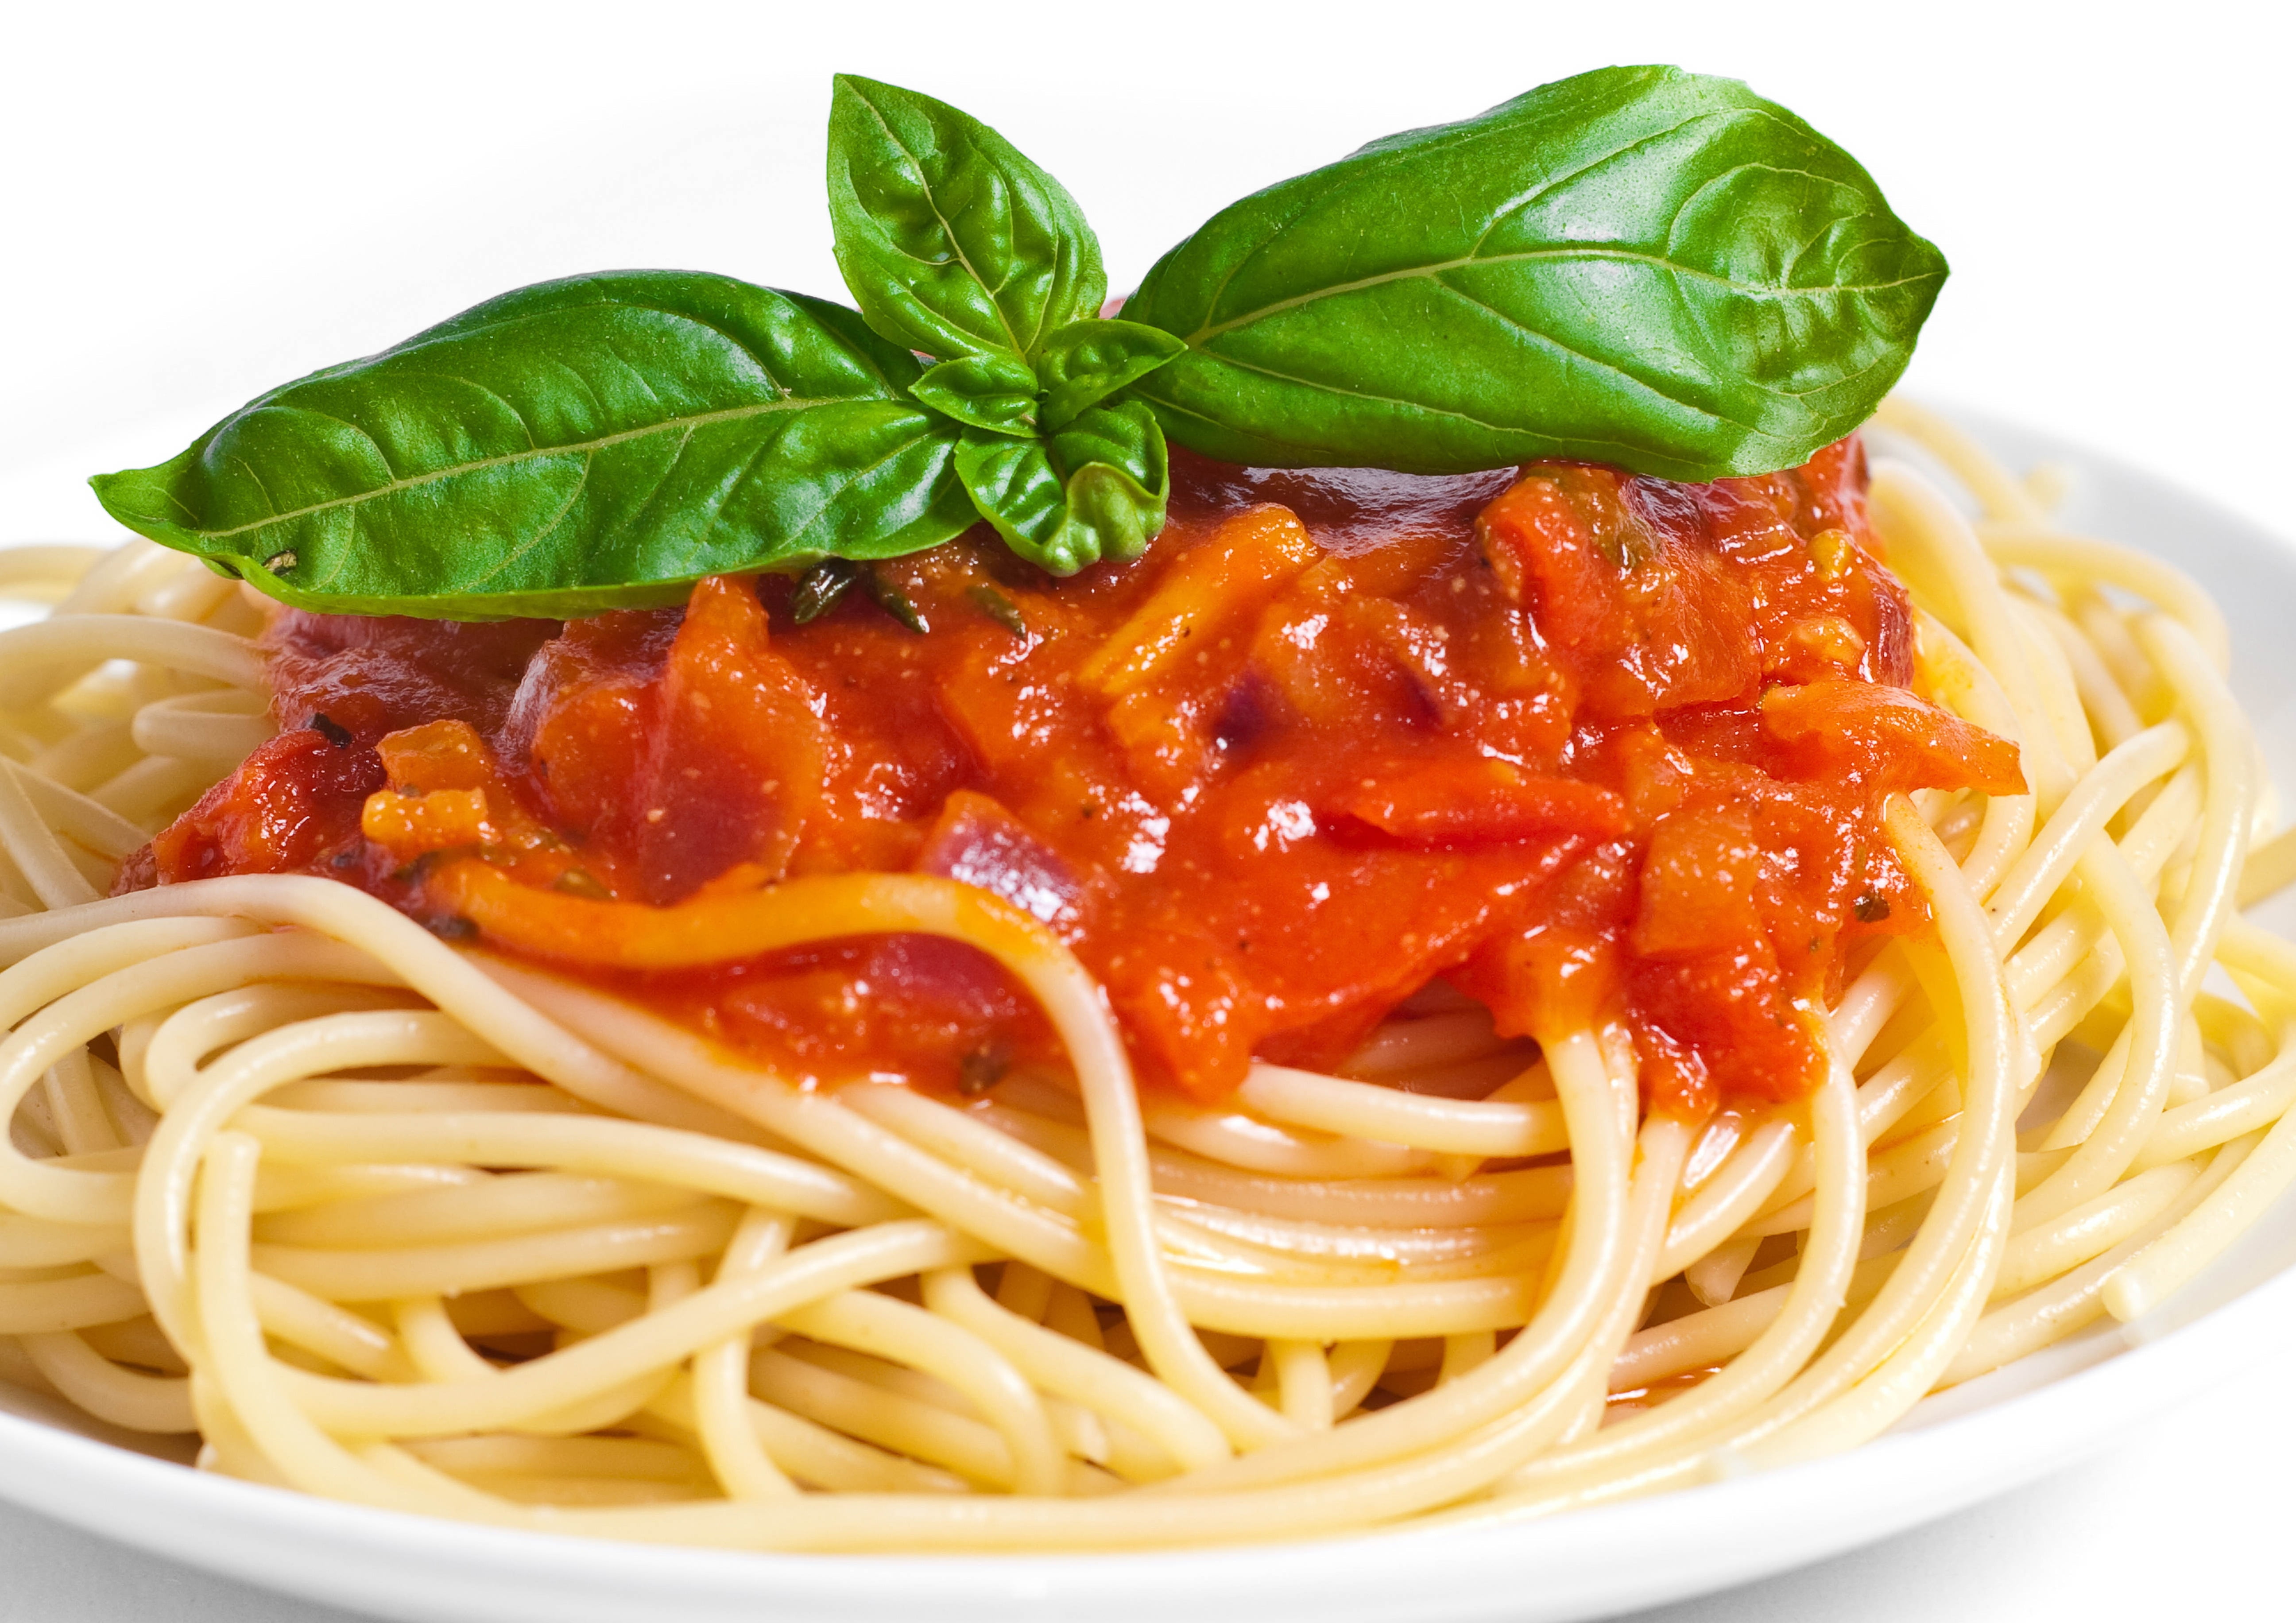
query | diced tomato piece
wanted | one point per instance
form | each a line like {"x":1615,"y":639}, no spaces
{"x":1563,"y":970}
{"x":374,"y":674}
{"x":1647,"y":618}
{"x":915,"y":1007}
{"x":1179,"y":995}
{"x":297,"y":795}
{"x":714,"y":761}
{"x":1479,"y":801}
{"x":1335,"y":650}
{"x":1697,"y":889}
{"x":1733,"y":1010}
{"x":1549,"y":560}
{"x":1900,"y":739}
{"x":1545,"y":983}
{"x":1215,"y":587}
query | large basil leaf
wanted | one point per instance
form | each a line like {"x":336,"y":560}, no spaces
{"x":952,"y":243}
{"x":595,"y":443}
{"x":1095,"y":489}
{"x":1637,"y":266}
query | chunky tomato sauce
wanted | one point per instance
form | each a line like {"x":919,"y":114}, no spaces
{"x":1588,"y":745}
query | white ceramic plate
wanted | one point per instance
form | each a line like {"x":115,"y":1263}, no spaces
{"x":1954,"y":1450}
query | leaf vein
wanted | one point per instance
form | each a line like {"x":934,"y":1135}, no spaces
{"x":1435,"y":270}
{"x":955,"y":247}
{"x":511,"y":458}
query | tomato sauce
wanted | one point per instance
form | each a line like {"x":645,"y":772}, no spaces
{"x":1590,"y":746}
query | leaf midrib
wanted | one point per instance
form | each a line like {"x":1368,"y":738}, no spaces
{"x":571,"y":447}
{"x":947,"y":227}
{"x":1437,"y":269}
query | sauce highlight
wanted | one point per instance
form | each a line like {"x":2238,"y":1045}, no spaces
{"x":1586,"y":744}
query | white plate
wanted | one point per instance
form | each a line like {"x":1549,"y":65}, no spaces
{"x":1978,"y":1440}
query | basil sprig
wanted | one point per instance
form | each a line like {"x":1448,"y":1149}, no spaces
{"x":1638,"y":266}
{"x":959,"y":247}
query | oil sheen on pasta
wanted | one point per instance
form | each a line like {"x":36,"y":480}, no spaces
{"x":1583,"y":743}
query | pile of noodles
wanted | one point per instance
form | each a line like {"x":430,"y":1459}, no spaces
{"x":397,"y":1222}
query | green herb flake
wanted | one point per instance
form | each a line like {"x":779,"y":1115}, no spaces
{"x":579,"y":881}
{"x":982,"y":1068}
{"x":993,"y":603}
{"x":819,"y":588}
{"x":894,"y":602}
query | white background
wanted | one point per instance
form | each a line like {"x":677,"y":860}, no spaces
{"x":200,"y":201}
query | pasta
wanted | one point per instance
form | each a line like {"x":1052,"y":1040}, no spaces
{"x":419,"y":1224}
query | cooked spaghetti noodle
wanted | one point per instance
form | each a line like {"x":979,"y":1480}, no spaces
{"x":419,"y":1225}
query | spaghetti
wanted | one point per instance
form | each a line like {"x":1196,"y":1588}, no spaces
{"x":421,"y":1224}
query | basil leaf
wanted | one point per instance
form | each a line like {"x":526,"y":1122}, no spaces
{"x":595,"y":443}
{"x":1095,"y":490}
{"x":952,"y":241}
{"x":987,"y":391}
{"x":1084,"y":362}
{"x":1637,"y":266}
